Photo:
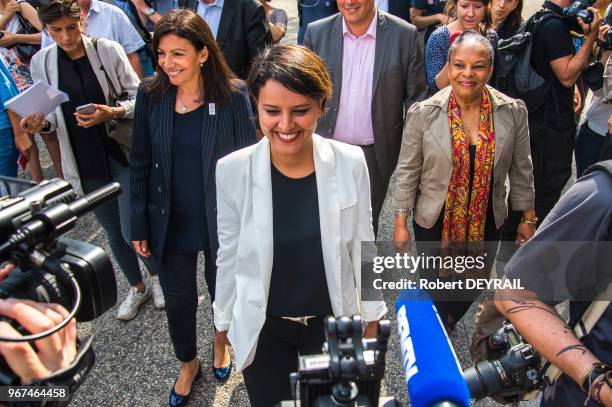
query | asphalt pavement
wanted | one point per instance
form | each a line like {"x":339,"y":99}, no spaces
{"x":135,"y":363}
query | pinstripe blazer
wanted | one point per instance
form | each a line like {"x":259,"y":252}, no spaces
{"x":229,"y":127}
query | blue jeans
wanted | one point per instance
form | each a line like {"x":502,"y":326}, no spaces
{"x":8,"y":153}
{"x":114,"y":216}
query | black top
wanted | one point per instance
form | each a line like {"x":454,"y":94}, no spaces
{"x":553,"y":40}
{"x":187,"y":224}
{"x":506,"y":30}
{"x":90,"y":146}
{"x":430,"y":7}
{"x":298,"y":286}
{"x":491,"y":233}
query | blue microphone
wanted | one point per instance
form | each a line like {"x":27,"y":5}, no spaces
{"x":432,"y":371}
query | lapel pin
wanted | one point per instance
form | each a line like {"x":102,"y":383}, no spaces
{"x":211,"y":109}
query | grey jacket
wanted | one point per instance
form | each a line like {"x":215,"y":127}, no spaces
{"x":425,"y":163}
{"x":399,"y":79}
{"x":120,"y":72}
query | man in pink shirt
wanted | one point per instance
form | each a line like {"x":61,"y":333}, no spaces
{"x":376,"y":65}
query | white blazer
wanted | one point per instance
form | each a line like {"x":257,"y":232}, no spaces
{"x":44,"y":68}
{"x":244,"y":217}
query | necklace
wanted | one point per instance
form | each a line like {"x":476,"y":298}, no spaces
{"x":184,"y":109}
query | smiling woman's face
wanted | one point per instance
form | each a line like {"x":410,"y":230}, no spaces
{"x":288,"y":119}
{"x":469,"y":70}
{"x":470,"y":13}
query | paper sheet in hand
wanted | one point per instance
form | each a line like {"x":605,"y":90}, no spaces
{"x":38,"y":98}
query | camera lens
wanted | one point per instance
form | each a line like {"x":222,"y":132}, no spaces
{"x":483,"y":379}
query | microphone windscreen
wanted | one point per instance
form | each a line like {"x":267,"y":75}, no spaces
{"x":431,"y":368}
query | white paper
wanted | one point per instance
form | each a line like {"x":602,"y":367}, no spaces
{"x":38,"y":98}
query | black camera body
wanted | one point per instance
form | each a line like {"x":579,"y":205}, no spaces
{"x":348,"y":372}
{"x":579,"y":9}
{"x":516,"y":372}
{"x":50,"y":268}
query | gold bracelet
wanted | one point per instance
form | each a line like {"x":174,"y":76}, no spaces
{"x":533,"y":221}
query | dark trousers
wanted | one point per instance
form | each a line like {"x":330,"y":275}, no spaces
{"x":177,"y":277}
{"x":452,"y":305}
{"x":378,"y":184}
{"x":588,"y":148}
{"x":280,"y":343}
{"x":114,"y":216}
{"x":551,"y":153}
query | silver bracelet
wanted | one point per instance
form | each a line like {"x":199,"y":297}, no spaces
{"x":402,"y":212}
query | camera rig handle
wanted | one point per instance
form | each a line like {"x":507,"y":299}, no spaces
{"x":50,"y":222}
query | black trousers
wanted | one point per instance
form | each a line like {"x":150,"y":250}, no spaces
{"x":453,"y":305}
{"x":378,"y":184}
{"x":280,"y":343}
{"x":177,"y":277}
{"x":551,"y":153}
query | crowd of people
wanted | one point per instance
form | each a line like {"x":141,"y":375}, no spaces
{"x":274,"y":160}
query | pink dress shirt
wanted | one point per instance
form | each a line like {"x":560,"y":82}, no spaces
{"x":354,"y":122}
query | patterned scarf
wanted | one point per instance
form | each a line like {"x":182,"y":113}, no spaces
{"x":465,"y":216}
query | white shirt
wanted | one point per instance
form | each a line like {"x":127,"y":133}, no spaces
{"x":107,"y":21}
{"x":382,"y":5}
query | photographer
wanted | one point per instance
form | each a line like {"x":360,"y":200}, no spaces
{"x":552,"y":127}
{"x":583,"y":214}
{"x":55,"y":352}
{"x":593,"y":129}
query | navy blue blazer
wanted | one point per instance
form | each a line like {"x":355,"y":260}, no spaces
{"x":230,"y":128}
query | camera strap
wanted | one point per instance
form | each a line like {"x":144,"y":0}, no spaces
{"x":72,"y":376}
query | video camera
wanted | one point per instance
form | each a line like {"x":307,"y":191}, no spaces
{"x":49,"y":268}
{"x":579,"y":9}
{"x":348,"y":372}
{"x":516,"y":371}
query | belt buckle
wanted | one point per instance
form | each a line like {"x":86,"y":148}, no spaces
{"x":300,"y":320}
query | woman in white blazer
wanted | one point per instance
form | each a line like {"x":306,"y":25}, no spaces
{"x":293,"y":211}
{"x":90,"y":158}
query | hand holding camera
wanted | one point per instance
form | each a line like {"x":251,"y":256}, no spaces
{"x":54,"y":352}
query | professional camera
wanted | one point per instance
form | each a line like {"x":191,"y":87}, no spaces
{"x":348,"y":372}
{"x":514,"y":373}
{"x":579,"y":9}
{"x":50,"y":269}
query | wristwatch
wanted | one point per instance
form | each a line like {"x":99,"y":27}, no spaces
{"x":150,"y":11}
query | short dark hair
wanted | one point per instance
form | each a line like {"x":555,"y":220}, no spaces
{"x":218,"y":80}
{"x":297,"y":68}
{"x":467,"y":36}
{"x":56,"y":9}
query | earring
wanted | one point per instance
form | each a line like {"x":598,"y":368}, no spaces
{"x":201,"y":64}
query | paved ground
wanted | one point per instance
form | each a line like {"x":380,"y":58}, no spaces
{"x":135,"y":362}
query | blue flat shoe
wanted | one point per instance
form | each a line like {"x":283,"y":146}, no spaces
{"x":177,"y":400}
{"x":221,"y":373}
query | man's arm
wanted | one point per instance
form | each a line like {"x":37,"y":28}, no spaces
{"x":542,"y":327}
{"x":538,"y":323}
{"x":568,"y":68}
{"x":421,"y":21}
{"x":257,"y":33}
{"x":134,"y":59}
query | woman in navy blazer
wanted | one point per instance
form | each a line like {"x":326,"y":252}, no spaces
{"x":189,"y":115}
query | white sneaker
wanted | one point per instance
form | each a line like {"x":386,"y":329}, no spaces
{"x":158,"y":294}
{"x":129,"y":307}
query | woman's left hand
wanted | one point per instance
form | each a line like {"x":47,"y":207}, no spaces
{"x":103,"y":113}
{"x":371,"y":330}
{"x":8,"y":39}
{"x":524,"y":232}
